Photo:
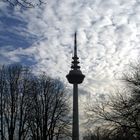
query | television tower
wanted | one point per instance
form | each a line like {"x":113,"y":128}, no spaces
{"x":75,"y":77}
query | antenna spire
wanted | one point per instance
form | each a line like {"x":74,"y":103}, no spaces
{"x":75,"y":44}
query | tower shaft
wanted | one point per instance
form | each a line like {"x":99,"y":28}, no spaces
{"x":75,"y":127}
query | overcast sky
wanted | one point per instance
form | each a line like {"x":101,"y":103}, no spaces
{"x":108,"y":38}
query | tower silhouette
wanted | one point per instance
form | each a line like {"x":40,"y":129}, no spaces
{"x":75,"y":77}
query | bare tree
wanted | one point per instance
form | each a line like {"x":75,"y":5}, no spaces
{"x":2,"y":105}
{"x":14,"y":89}
{"x":49,"y":118}
{"x":121,"y":113}
{"x":117,"y":115}
{"x":98,"y":133}
{"x":32,"y":107}
{"x":25,"y":3}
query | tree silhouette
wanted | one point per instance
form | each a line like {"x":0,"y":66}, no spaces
{"x":12,"y":85}
{"x":48,"y":117}
{"x":32,"y":107}
{"x":25,"y":3}
{"x":121,"y":113}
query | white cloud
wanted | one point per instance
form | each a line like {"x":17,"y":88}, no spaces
{"x":106,"y":33}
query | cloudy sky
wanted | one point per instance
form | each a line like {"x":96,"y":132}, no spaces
{"x":42,"y":37}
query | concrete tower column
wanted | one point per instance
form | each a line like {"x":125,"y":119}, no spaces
{"x":75,"y":127}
